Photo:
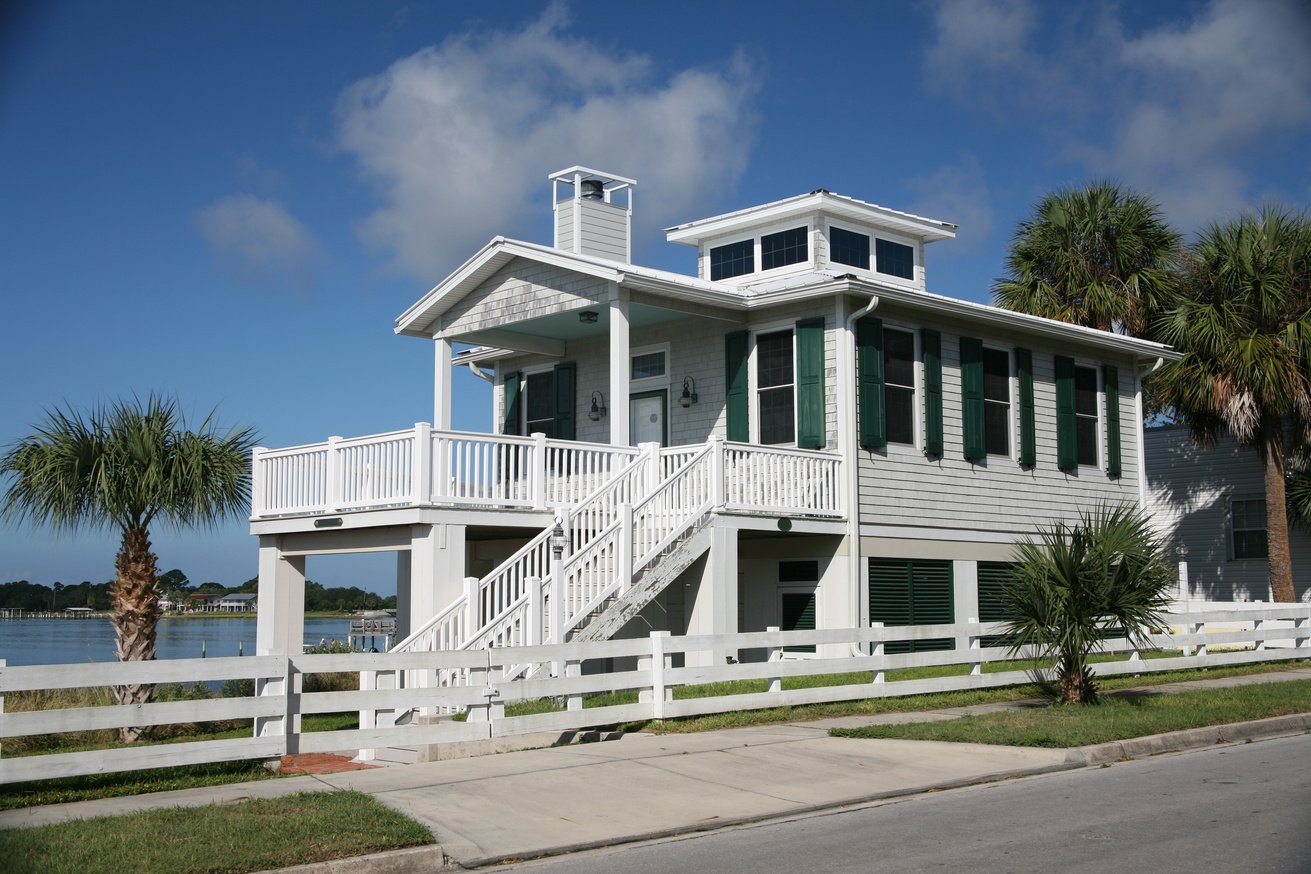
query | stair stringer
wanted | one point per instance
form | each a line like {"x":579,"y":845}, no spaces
{"x":647,"y":585}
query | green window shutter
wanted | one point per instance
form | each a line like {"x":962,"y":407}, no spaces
{"x":510,"y":423}
{"x":735,"y":380}
{"x":869,"y":370}
{"x":931,"y":343}
{"x":1067,"y":432}
{"x":1111,"y":385}
{"x":1028,"y":439}
{"x":798,"y":615}
{"x":811,"y":427}
{"x":566,"y":378}
{"x":971,"y":394}
{"x":994,"y":577}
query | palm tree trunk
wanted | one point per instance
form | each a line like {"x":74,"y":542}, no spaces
{"x":1279,"y":554}
{"x":135,"y":596}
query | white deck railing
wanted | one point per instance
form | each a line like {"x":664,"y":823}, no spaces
{"x":644,"y":665}
{"x":422,"y":467}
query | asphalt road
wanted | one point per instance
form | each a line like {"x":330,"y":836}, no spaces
{"x":1236,"y":808}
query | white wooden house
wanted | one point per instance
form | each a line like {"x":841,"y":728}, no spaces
{"x":800,"y":434}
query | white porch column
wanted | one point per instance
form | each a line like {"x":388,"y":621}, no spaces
{"x":619,"y":370}
{"x":713,"y":602}
{"x":431,"y":575}
{"x":280,"y":626}
{"x":441,"y":399}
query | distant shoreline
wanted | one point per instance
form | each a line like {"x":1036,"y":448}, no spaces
{"x":317,"y":614}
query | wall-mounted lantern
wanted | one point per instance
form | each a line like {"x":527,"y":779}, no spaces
{"x":588,"y":317}
{"x":598,"y":411}
{"x":688,"y":398}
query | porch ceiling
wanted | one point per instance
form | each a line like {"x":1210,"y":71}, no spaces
{"x":568,"y":326}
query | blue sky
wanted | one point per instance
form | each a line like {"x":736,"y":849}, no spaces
{"x":232,"y":202}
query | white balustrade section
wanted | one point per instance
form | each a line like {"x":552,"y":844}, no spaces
{"x":772,"y":480}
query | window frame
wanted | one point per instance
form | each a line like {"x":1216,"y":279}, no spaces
{"x":828,"y":240}
{"x":753,"y":379}
{"x":757,"y":249}
{"x":736,"y":242}
{"x":1012,"y":401}
{"x":1099,"y":404}
{"x":917,"y":390}
{"x":649,"y":382}
{"x":1234,"y":529}
{"x":916,"y":257}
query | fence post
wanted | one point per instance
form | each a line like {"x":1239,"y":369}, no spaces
{"x":879,"y":673}
{"x":624,"y":548}
{"x":775,"y":655}
{"x":538,"y":484}
{"x":420,"y":490}
{"x":975,"y":645}
{"x":656,"y":663}
{"x":1200,"y":628}
{"x":1302,"y":624}
{"x":1257,"y":639}
{"x":573,"y":701}
{"x":536,"y":613}
{"x":332,"y":490}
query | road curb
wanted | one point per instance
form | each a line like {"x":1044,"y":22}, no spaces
{"x":412,"y":860}
{"x":1189,"y":739}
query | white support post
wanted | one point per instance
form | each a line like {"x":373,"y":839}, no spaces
{"x":620,"y":369}
{"x":624,"y":553}
{"x":1185,"y":592}
{"x":420,"y":492}
{"x":650,"y":453}
{"x":536,"y":613}
{"x":538,"y":483}
{"x":1200,"y":628}
{"x":975,"y":644}
{"x":334,"y":472}
{"x":258,"y":486}
{"x":879,"y":674}
{"x":368,"y":718}
{"x":480,"y":678}
{"x":473,"y":611}
{"x":441,"y":399}
{"x":775,"y":655}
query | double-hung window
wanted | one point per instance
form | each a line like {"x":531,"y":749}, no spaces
{"x":776,"y":387}
{"x":997,"y":401}
{"x":1085,"y":414}
{"x":1247,"y":520}
{"x":899,"y":385}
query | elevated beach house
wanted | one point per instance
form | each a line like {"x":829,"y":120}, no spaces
{"x":800,"y":435}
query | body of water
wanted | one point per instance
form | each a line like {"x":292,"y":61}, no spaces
{"x":64,"y":641}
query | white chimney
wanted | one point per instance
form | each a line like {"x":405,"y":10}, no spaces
{"x":589,"y":218}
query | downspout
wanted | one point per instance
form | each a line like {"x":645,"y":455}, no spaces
{"x":481,"y":374}
{"x":848,"y":445}
{"x":1139,"y":373}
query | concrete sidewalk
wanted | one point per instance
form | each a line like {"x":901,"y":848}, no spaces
{"x":560,"y":799}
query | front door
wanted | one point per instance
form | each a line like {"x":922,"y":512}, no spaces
{"x":647,"y":412}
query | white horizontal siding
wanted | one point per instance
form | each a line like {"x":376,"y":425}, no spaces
{"x":1189,"y":490}
{"x":520,"y":291}
{"x":564,"y":225}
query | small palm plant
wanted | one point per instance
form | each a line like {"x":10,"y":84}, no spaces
{"x":1076,"y":583}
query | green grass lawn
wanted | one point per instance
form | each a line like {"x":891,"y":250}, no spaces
{"x":1118,"y":717}
{"x":229,"y":838}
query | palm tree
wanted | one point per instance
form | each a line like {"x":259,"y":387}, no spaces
{"x":1243,"y":322}
{"x":125,"y":467}
{"x":1077,"y":583}
{"x":1098,"y":256}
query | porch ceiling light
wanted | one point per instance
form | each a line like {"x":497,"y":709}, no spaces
{"x":588,"y":317}
{"x":598,"y":411}
{"x":688,"y":398}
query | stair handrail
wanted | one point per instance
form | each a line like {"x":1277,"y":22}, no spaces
{"x":537,"y":548}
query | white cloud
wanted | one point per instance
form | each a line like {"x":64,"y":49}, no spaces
{"x":258,"y":240}
{"x":1181,"y":111}
{"x":458,"y":138}
{"x":957,"y":193}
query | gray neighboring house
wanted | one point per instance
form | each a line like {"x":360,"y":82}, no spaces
{"x":1212,"y":502}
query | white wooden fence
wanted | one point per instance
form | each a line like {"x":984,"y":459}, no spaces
{"x":647,"y":665}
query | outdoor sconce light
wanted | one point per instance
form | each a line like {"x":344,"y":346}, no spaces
{"x":688,"y":397}
{"x":588,"y":317}
{"x":597,"y":412}
{"x":557,"y":539}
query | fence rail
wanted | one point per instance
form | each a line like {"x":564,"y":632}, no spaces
{"x":395,"y":684}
